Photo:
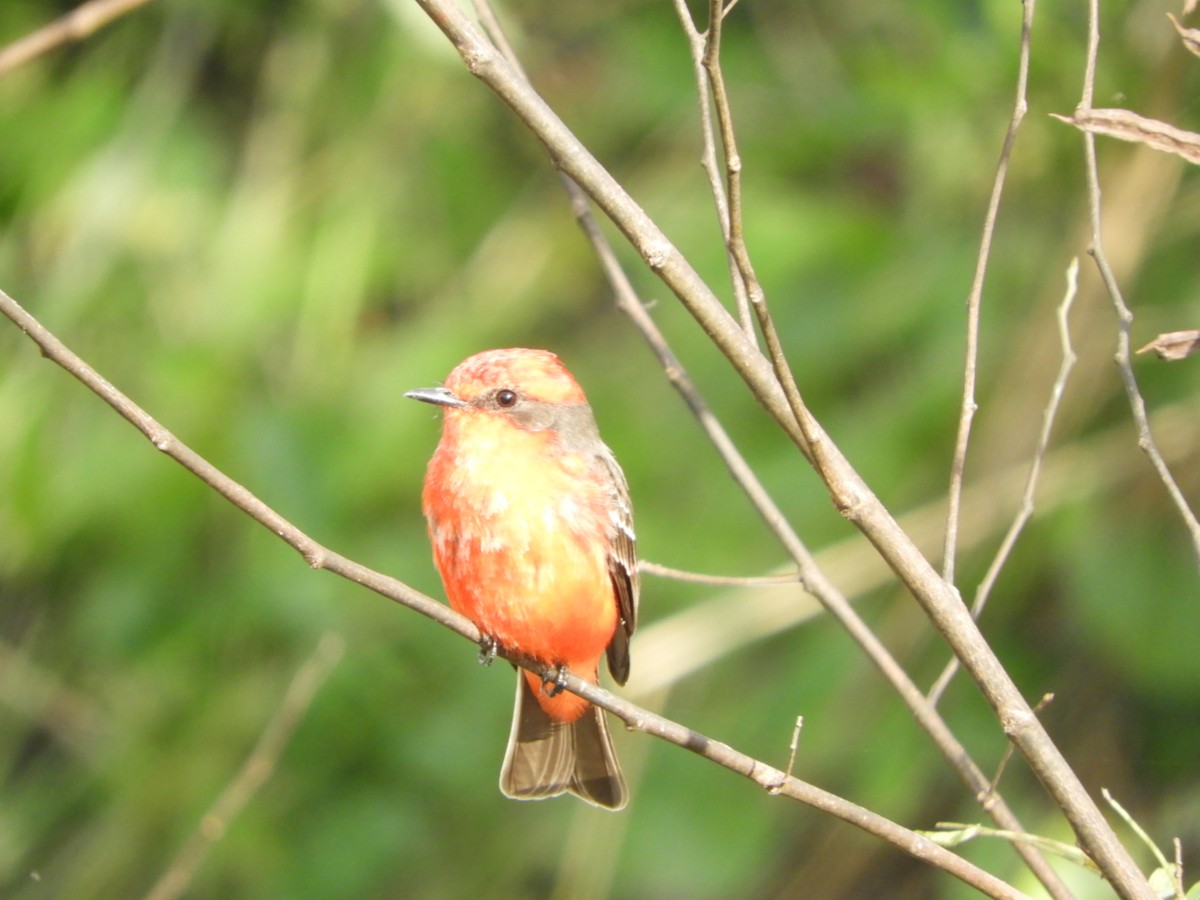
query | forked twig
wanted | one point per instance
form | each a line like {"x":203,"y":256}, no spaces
{"x":1049,"y":414}
{"x":697,"y":44}
{"x":1005,"y":758}
{"x":1137,"y":403}
{"x":736,"y":237}
{"x":966,"y":415}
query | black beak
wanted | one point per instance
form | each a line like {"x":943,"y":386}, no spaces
{"x":439,"y":396}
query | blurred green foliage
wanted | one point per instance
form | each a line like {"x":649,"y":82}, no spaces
{"x":266,"y":221}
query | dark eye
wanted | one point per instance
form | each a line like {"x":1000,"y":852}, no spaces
{"x":505,"y":398}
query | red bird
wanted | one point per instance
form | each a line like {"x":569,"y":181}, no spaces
{"x":532,"y":532}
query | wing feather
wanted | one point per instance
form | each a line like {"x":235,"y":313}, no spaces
{"x":622,"y":567}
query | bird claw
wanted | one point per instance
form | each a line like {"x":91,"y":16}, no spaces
{"x":487,"y":650}
{"x":556,"y":685}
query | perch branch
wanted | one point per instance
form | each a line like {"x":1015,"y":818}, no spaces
{"x":635,"y":717}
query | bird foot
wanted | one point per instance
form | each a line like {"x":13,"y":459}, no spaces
{"x":556,"y":685}
{"x":487,"y":650}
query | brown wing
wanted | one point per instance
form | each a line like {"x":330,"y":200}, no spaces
{"x":622,"y":568}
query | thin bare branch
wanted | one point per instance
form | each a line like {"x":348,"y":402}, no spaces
{"x":1049,"y":414}
{"x":256,"y":771}
{"x":316,"y":555}
{"x":993,"y":790}
{"x":635,"y":717}
{"x":975,"y":300}
{"x":79,"y":23}
{"x":716,"y":627}
{"x":1137,"y":403}
{"x":697,"y":44}
{"x":794,"y":746}
{"x":649,"y":568}
{"x":736,"y":239}
{"x":710,"y":61}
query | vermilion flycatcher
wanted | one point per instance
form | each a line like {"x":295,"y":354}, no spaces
{"x":532,"y":532}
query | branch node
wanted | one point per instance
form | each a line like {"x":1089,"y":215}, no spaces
{"x":772,"y":780}
{"x":657,"y":253}
{"x":1018,"y":721}
{"x":477,"y":59}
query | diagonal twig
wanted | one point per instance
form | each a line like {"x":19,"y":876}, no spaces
{"x":79,"y":23}
{"x":967,"y":409}
{"x":636,"y":718}
{"x":255,"y":771}
{"x":699,"y":44}
{"x":1049,"y":414}
{"x":1137,"y":403}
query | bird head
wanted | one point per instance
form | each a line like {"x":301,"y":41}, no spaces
{"x":530,"y":388}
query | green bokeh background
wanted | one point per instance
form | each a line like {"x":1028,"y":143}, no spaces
{"x":266,"y":221}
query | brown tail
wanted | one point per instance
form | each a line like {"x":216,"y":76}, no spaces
{"x":547,"y":758}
